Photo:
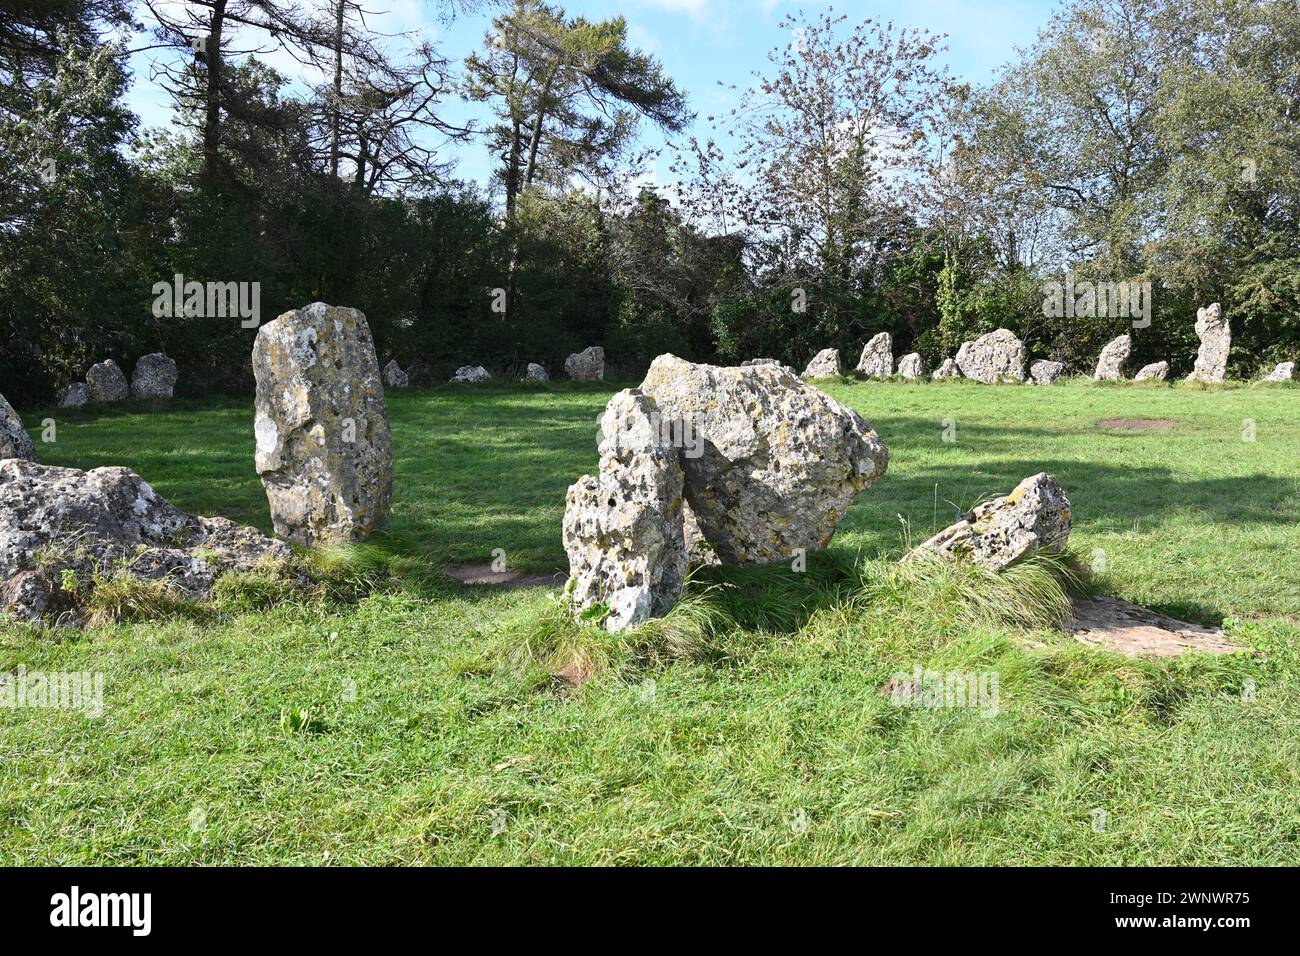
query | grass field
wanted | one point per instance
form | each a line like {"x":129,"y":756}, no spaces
{"x":408,"y":727}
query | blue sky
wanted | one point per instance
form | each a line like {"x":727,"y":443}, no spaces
{"x":700,"y":42}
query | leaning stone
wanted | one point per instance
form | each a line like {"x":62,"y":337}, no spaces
{"x":1110,"y":364}
{"x":910,"y":366}
{"x":324,"y":451}
{"x":472,"y":374}
{"x":1216,"y":342}
{"x":772,"y":464}
{"x":154,"y":377}
{"x":825,"y":364}
{"x":536,"y":373}
{"x":75,"y":395}
{"x":1034,"y":517}
{"x":877,"y":359}
{"x":394,"y":377}
{"x":948,"y":369}
{"x":623,"y":527}
{"x":107,"y":383}
{"x":1284,"y":372}
{"x":1155,"y":372}
{"x":587,"y":365}
{"x":1044,"y":372}
{"x":996,"y":357}
{"x":14,"y":440}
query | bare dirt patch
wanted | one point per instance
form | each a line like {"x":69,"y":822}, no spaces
{"x":1135,"y":424}
{"x":1126,"y":628}
{"x":483,"y":574}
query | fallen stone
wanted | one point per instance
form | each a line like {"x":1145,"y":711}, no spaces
{"x":587,"y":365}
{"x":75,"y":395}
{"x":324,"y":451}
{"x":825,"y":364}
{"x":471,"y":374}
{"x":996,"y":357}
{"x":1115,"y":625}
{"x":1155,"y":372}
{"x":1284,"y":372}
{"x":394,"y":376}
{"x":948,"y":369}
{"x":623,"y":527}
{"x":14,"y":440}
{"x":1216,"y":342}
{"x":779,"y":461}
{"x":910,"y":366}
{"x":1110,"y":364}
{"x":877,"y":360}
{"x":1034,"y":517}
{"x":1044,"y":372}
{"x":154,"y":377}
{"x":536,"y":373}
{"x":107,"y":383}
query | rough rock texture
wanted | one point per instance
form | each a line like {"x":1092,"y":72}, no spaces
{"x":394,"y":376}
{"x":1156,"y":371}
{"x":781,"y":461}
{"x":106,"y":521}
{"x":1110,"y":364}
{"x":877,"y":359}
{"x":996,"y":357}
{"x":14,"y":440}
{"x":911,"y":366}
{"x":948,"y":369}
{"x":825,"y":364}
{"x":536,"y":373}
{"x":623,"y":527}
{"x":75,"y":395}
{"x":107,"y":383}
{"x":154,"y":377}
{"x":1131,"y":629}
{"x":324,"y":451}
{"x":1284,"y":372}
{"x":472,"y":374}
{"x":587,"y":365}
{"x":749,"y":363}
{"x":1216,"y":341}
{"x":1034,"y":517}
{"x":1044,"y":372}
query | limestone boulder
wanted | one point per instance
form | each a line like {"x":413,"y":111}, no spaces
{"x":154,"y":377}
{"x":1216,"y":342}
{"x":395,"y":376}
{"x":910,"y":366}
{"x":1044,"y":372}
{"x":779,"y":462}
{"x":471,"y":375}
{"x":825,"y":364}
{"x":1034,"y":517}
{"x":1284,"y":372}
{"x":587,"y":365}
{"x":768,"y":361}
{"x":324,"y":451}
{"x":1110,"y":364}
{"x":14,"y":440}
{"x":107,"y":383}
{"x":623,"y":529}
{"x":948,"y":369}
{"x":877,"y":359}
{"x":1155,"y":372}
{"x":996,"y":357}
{"x":536,"y":373}
{"x":75,"y":395}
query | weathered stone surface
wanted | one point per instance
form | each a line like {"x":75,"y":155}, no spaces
{"x":779,"y":461}
{"x":1216,"y":342}
{"x":1155,"y":372}
{"x":1034,"y":517}
{"x":1284,"y":372}
{"x":1116,"y":625}
{"x":1044,"y":372}
{"x":324,"y":451}
{"x":948,"y":369}
{"x":471,"y":374}
{"x":394,"y":376}
{"x":154,"y":377}
{"x":1110,"y":364}
{"x":825,"y":364}
{"x":106,"y":521}
{"x":587,"y":365}
{"x":14,"y":440}
{"x":75,"y":395}
{"x":910,"y":366}
{"x":536,"y":373}
{"x":877,"y":359}
{"x":748,"y":363}
{"x":623,"y":527}
{"x":107,"y":383}
{"x":996,"y":357}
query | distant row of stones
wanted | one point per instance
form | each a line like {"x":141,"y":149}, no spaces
{"x":154,"y":378}
{"x":999,"y":357}
{"x":585,"y":366}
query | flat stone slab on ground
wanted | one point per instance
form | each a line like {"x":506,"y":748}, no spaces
{"x":1116,"y":625}
{"x":483,"y":574}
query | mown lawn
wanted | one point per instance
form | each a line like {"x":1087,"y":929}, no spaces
{"x":400,"y":728}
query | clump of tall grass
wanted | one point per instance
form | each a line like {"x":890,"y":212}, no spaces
{"x":126,"y":598}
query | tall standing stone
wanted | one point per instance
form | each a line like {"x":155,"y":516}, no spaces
{"x":1110,"y":364}
{"x":996,"y":357}
{"x":154,"y":377}
{"x":107,"y":383}
{"x":1216,"y":343}
{"x":825,"y":364}
{"x":877,"y":359}
{"x":14,"y":440}
{"x":324,"y":452}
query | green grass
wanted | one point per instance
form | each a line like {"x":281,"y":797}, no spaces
{"x":395,"y":717}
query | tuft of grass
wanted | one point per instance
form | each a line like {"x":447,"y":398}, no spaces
{"x":125,"y":598}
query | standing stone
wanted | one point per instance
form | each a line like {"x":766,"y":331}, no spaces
{"x":1034,"y":517}
{"x":324,"y":451}
{"x":154,"y":377}
{"x":1044,"y":372}
{"x":774,"y":463}
{"x":996,"y":357}
{"x":623,"y":529}
{"x":107,"y":383}
{"x":587,"y":365}
{"x":910,"y":366}
{"x":1284,"y":372}
{"x":14,"y":440}
{"x":471,"y":374}
{"x":825,"y":364}
{"x":394,"y":377}
{"x":536,"y":373}
{"x":75,"y":395}
{"x":1155,"y":372}
{"x":877,"y":360}
{"x":1216,"y":342}
{"x":1110,"y":364}
{"x":948,"y":369}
